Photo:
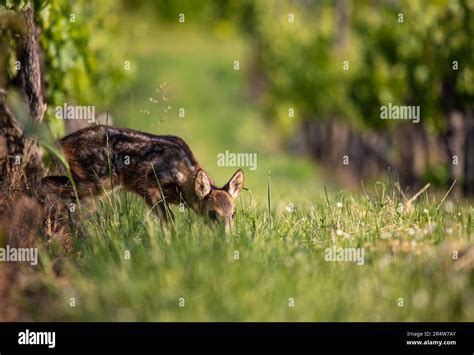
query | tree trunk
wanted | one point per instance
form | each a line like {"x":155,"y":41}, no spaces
{"x":11,"y":135}
{"x":29,"y":55}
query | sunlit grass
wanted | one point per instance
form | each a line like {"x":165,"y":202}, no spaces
{"x":252,"y":273}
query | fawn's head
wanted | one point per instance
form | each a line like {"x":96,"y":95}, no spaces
{"x":217,"y":205}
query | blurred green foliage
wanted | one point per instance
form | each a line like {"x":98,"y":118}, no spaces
{"x":82,"y":61}
{"x":300,"y":67}
{"x":205,"y":12}
{"x":400,"y":52}
{"x":410,"y":62}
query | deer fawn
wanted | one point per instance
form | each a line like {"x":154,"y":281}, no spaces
{"x":161,"y":169}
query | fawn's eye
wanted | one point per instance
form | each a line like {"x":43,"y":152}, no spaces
{"x":213,"y":215}
{"x":233,"y":215}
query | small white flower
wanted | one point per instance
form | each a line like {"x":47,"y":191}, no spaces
{"x":425,"y":211}
{"x":411,"y":231}
{"x":400,"y":208}
{"x":339,"y":232}
{"x":339,"y":205}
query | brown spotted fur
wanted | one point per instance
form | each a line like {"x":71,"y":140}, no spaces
{"x":161,"y":169}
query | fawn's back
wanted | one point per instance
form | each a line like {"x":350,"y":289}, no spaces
{"x":102,"y":157}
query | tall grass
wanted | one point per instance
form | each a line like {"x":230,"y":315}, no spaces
{"x":252,"y":273}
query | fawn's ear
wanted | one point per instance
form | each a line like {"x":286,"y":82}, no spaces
{"x":235,"y":184}
{"x":202,"y":184}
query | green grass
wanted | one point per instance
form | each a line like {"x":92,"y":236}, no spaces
{"x":251,"y":274}
{"x":408,"y":254}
